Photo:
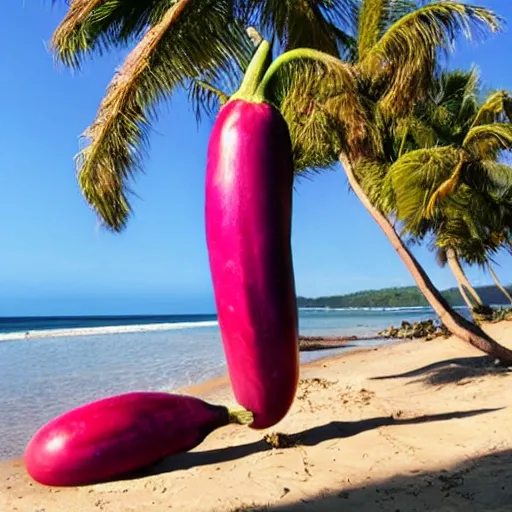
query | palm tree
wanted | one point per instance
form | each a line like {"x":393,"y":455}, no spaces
{"x":392,"y":71}
{"x":442,"y":259}
{"x":477,"y":222}
{"x":182,"y":43}
{"x":453,"y":261}
{"x":390,"y":64}
{"x":455,"y":244}
{"x":498,"y":283}
{"x":480,"y":251}
{"x":458,"y":240}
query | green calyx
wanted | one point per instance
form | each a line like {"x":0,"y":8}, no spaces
{"x":256,"y":85}
{"x":264,"y":88}
{"x":254,"y":74}
{"x":240,"y":416}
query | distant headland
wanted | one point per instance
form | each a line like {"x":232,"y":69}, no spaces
{"x":407,"y":296}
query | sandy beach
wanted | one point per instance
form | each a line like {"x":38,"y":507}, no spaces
{"x":415,"y":426}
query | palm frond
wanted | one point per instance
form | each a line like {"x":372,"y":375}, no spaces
{"x":445,"y":115}
{"x":457,"y":98}
{"x":497,"y":108}
{"x":407,"y":53}
{"x":420,"y":133}
{"x":447,"y":187}
{"x":469,"y":99}
{"x":415,"y":177}
{"x":213,"y":87}
{"x":486,"y":140}
{"x":375,"y":17}
{"x":473,"y":224}
{"x":400,"y":8}
{"x":322,"y":108}
{"x":490,"y":177}
{"x":205,"y":98}
{"x":165,"y":59}
{"x":347,"y":44}
{"x":97,"y":25}
{"x":372,"y":21}
{"x":481,"y":142}
{"x":303,"y":24}
{"x":373,"y":177}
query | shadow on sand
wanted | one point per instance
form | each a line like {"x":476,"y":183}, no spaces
{"x":451,"y":371}
{"x":480,"y":484}
{"x":309,"y":437}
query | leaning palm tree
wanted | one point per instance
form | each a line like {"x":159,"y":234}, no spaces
{"x":390,"y":60}
{"x":460,"y":239}
{"x":442,"y":259}
{"x":453,"y":259}
{"x":476,"y":222}
{"x":393,"y":70}
{"x":359,"y":118}
{"x":498,"y":283}
{"x":456,"y":245}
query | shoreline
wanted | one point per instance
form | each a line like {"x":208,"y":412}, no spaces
{"x":317,"y":348}
{"x":212,"y":387}
{"x":219,"y":388}
{"x":126,"y":328}
{"x":373,"y":428}
{"x":16,"y":437}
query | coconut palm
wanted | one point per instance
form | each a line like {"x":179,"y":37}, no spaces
{"x":392,"y":72}
{"x":471,"y":229}
{"x":452,"y":258}
{"x":498,"y":283}
{"x":466,"y":237}
{"x":390,"y":61}
{"x":476,"y":222}
{"x":481,"y":248}
{"x":455,"y":245}
{"x":179,"y":43}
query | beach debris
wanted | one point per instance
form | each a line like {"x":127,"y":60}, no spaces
{"x":311,"y":343}
{"x":280,"y":440}
{"x":427,"y":329}
{"x":482,"y":313}
{"x":352,"y":396}
{"x":500,"y":315}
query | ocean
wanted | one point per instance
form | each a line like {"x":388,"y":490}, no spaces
{"x":52,"y":364}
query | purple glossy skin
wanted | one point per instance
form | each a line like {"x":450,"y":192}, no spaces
{"x":119,"y":434}
{"x":249,"y":182}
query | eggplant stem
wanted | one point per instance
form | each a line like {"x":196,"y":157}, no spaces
{"x":254,"y":36}
{"x":261,"y":93}
{"x":240,"y":416}
{"x":255,"y":72}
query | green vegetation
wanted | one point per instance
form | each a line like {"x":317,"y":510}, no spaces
{"x":397,"y":297}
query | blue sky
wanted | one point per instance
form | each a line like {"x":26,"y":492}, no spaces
{"x":54,"y":258}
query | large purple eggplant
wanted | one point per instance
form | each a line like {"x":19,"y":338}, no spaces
{"x":119,"y":434}
{"x":249,"y":183}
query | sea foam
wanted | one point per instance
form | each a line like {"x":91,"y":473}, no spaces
{"x":111,"y":329}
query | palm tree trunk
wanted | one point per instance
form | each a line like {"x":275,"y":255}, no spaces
{"x":464,"y":296}
{"x":458,"y":325}
{"x":498,"y":284}
{"x":460,"y":276}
